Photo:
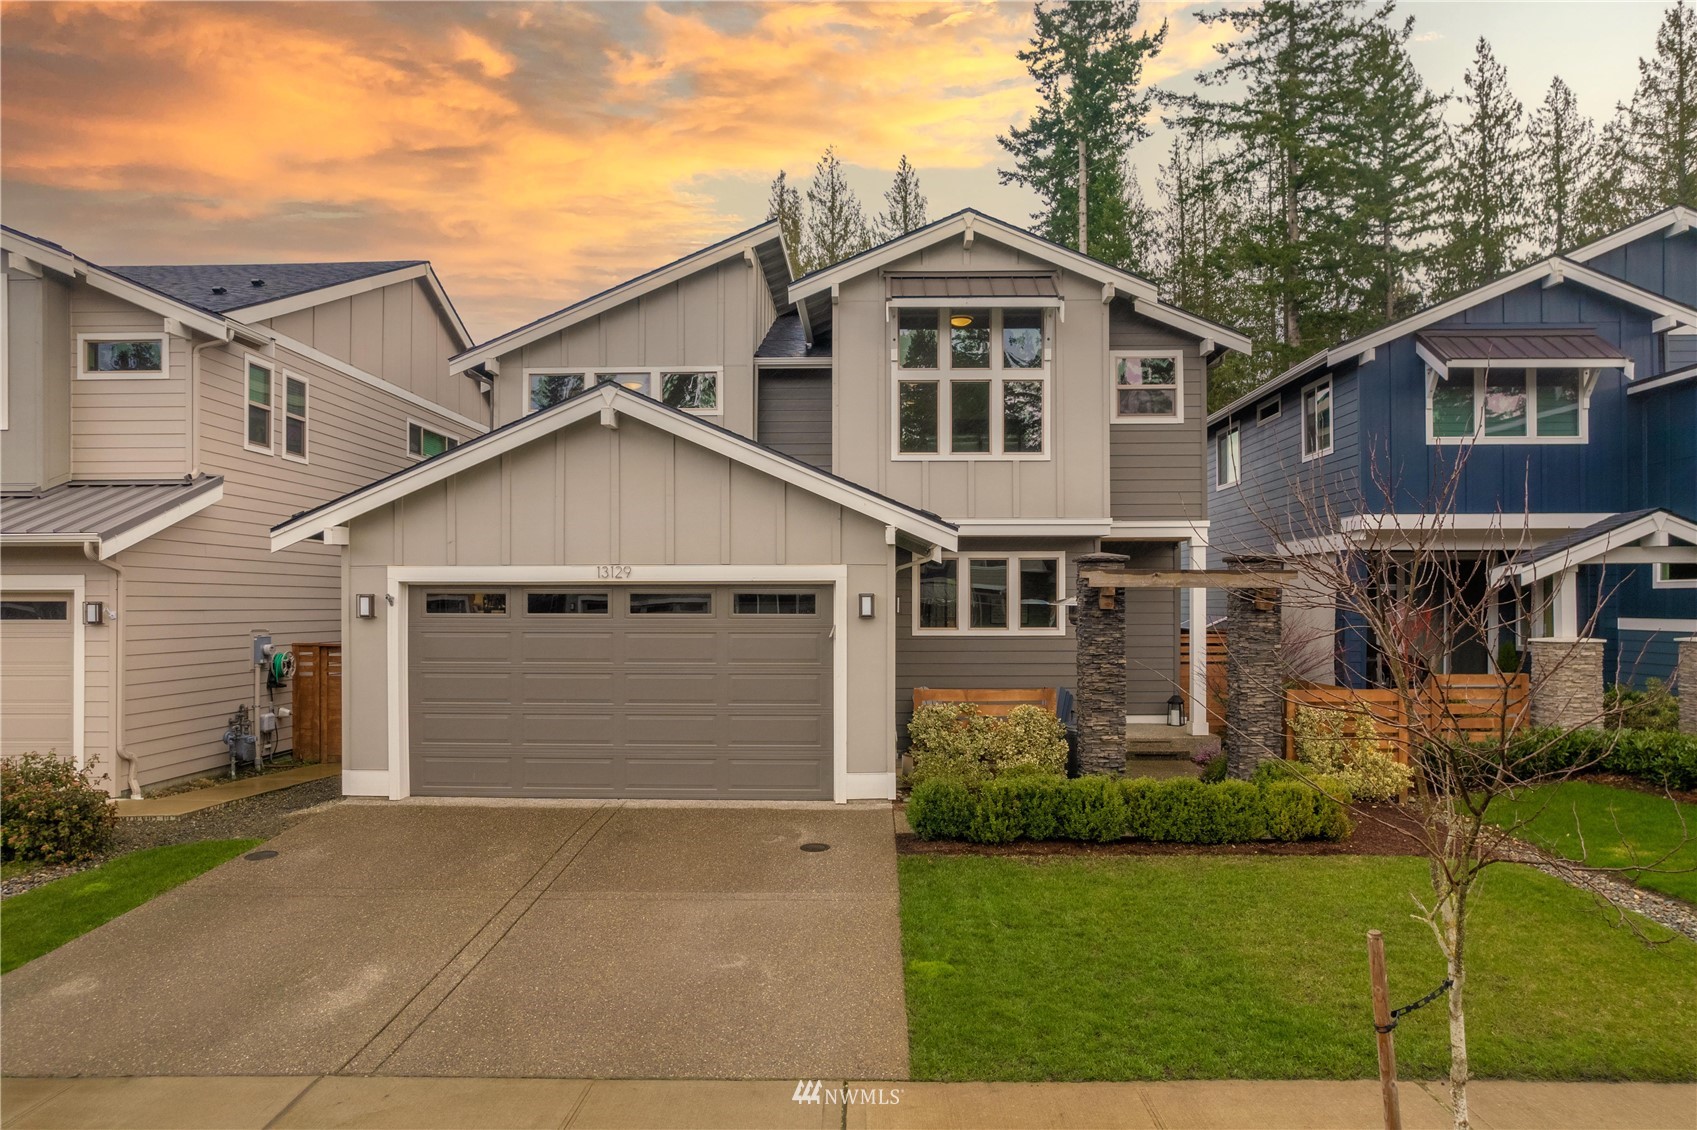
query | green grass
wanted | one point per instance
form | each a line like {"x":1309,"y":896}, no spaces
{"x":1612,"y":827}
{"x":42,"y":920}
{"x":1210,"y":968}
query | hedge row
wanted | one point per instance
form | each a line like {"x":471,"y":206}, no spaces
{"x":1658,"y":757}
{"x":1103,"y":809}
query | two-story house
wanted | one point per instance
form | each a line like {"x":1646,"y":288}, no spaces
{"x":1541,"y":428}
{"x":729,"y":520}
{"x":155,"y":422}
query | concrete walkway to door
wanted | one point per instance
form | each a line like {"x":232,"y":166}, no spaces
{"x":564,"y":939}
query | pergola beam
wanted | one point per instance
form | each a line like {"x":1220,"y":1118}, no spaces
{"x":1188,"y":578}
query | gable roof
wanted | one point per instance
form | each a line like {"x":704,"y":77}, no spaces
{"x":1551,"y":272}
{"x":1670,"y":221}
{"x":786,"y":340}
{"x":115,"y":515}
{"x":762,"y":244}
{"x":920,"y":525}
{"x":1617,"y":531}
{"x":967,"y":223}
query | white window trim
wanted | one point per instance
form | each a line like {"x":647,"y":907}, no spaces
{"x":996,"y":375}
{"x":85,"y":374}
{"x":1586,"y":383}
{"x":1332,"y":426}
{"x":1235,"y":431}
{"x":5,"y":344}
{"x":1114,"y":356}
{"x":1658,"y":581}
{"x":406,"y":440}
{"x":963,"y":586}
{"x":652,"y":372}
{"x":305,"y":418}
{"x":1262,"y":416}
{"x":273,"y":368}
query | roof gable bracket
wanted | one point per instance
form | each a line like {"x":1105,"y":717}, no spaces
{"x":1556,"y":276}
{"x":1678,"y":227}
{"x":966,"y":230}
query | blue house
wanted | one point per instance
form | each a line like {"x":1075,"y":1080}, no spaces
{"x":1541,"y":429}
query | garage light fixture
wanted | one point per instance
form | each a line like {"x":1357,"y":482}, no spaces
{"x":365,"y":606}
{"x":93,"y":612}
{"x":866,"y":606}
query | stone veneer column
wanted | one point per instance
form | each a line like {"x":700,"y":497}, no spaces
{"x":1100,"y":700}
{"x":1255,"y":704}
{"x":1688,"y":685}
{"x":1567,"y":682}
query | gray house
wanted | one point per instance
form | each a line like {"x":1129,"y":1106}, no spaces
{"x":728,"y":520}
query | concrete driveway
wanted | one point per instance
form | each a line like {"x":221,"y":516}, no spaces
{"x":615,"y":940}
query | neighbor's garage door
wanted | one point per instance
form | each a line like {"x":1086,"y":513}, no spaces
{"x":650,"y":691}
{"x":35,"y":674}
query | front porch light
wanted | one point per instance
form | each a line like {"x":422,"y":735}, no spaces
{"x":1175,"y":711}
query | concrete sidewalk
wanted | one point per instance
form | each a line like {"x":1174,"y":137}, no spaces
{"x":211,"y":796}
{"x":244,"y":1102}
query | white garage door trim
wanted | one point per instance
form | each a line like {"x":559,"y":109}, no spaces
{"x":74,"y":585}
{"x":396,"y":781}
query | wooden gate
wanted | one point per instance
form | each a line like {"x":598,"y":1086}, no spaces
{"x":318,"y":702}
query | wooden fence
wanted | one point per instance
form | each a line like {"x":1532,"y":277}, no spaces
{"x":996,"y":703}
{"x":1216,"y":678}
{"x":1478,"y":707}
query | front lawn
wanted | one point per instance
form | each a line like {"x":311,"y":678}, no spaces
{"x":1612,"y":827}
{"x":1210,"y":968}
{"x":35,"y":922}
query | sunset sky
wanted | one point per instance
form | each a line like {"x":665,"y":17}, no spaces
{"x":537,"y":153}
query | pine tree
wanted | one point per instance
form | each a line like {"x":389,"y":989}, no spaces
{"x":1662,"y":118}
{"x":1563,"y":153}
{"x":1138,"y":225}
{"x":1603,"y":203}
{"x":904,"y":204}
{"x":836,"y":223}
{"x":1486,"y":207}
{"x":1087,"y":58}
{"x":783,"y":203}
{"x":1394,"y":128}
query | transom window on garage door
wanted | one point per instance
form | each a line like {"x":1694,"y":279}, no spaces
{"x":989,"y":593}
{"x":774,"y":604}
{"x":567,"y":604}
{"x":466,"y":603}
{"x":33,"y":609}
{"x":673,"y":603}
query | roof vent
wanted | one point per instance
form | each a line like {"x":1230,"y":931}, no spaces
{"x":256,"y":282}
{"x":218,"y":290}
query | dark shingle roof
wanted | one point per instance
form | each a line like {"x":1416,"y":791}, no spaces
{"x":786,"y":341}
{"x":198,"y":283}
{"x":1498,"y":343}
{"x":1558,"y":546}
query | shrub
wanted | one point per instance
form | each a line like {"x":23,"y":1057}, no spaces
{"x":1655,"y":756}
{"x":954,"y":740}
{"x":1214,"y":769}
{"x":1029,"y":740}
{"x":52,"y":811}
{"x":1104,"y":809}
{"x":1653,"y":708}
{"x":1344,"y":745}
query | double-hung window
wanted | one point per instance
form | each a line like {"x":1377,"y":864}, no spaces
{"x":689,"y":389}
{"x":989,"y":593}
{"x":1227,"y":458}
{"x":294,"y":417}
{"x":1506,"y":406}
{"x":261,"y":392}
{"x":1148,"y":387}
{"x":1317,"y":420}
{"x":971,"y":383}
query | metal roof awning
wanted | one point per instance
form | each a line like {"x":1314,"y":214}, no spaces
{"x":1495,"y":347}
{"x":998,"y":288}
{"x":113,"y":515}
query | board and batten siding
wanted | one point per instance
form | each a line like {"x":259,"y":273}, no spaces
{"x":710,"y":318}
{"x":1155,"y":470}
{"x":632,"y":495}
{"x":795,"y":414}
{"x":395,"y":332}
{"x":197,"y":592}
{"x":40,"y":352}
{"x":127,"y":429}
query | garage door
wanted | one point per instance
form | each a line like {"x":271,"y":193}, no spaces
{"x":35,"y":674}
{"x":653,"y":691}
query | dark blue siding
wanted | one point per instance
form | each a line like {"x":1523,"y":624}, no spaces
{"x":1656,"y":263}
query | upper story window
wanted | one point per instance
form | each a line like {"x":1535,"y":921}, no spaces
{"x":294,"y":417}
{"x":424,"y":442}
{"x":1148,"y":387}
{"x":1268,"y":411}
{"x":261,"y":392}
{"x":971,"y":383}
{"x":1317,"y":419}
{"x":989,"y":593}
{"x":1507,"y":406}
{"x":1227,"y":458}
{"x":689,"y":389}
{"x":121,"y":356}
{"x":1676,"y":575}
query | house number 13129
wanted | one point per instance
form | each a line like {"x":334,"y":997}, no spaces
{"x":612,"y":572}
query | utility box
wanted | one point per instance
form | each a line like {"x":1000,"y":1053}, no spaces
{"x":318,"y":702}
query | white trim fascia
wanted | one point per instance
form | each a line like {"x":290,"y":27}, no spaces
{"x":1655,"y":624}
{"x":616,"y":398}
{"x":1033,"y":527}
{"x":1178,"y":319}
{"x":35,"y":251}
{"x":971,"y":302}
{"x":1379,"y":523}
{"x":1605,"y":544}
{"x":76,"y":585}
{"x":137,"y":534}
{"x":306,"y":299}
{"x":1156,"y":529}
{"x":793,"y":363}
{"x":1633,"y":295}
{"x":1673,"y":221}
{"x":731,"y":248}
{"x":336,"y":364}
{"x":1678,"y":376}
{"x":1269,"y":388}
{"x":398,"y":773}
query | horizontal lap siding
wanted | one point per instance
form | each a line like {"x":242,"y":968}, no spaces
{"x":795,"y":416}
{"x":126,"y":428}
{"x":1155,"y":470}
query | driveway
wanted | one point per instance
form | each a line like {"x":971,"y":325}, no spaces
{"x":615,"y":940}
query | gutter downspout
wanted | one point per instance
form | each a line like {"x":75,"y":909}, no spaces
{"x":194,"y":402}
{"x":92,"y":552}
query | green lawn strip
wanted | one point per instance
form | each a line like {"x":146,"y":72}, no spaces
{"x":1579,"y":819}
{"x":41,"y":920}
{"x":1199,"y":968}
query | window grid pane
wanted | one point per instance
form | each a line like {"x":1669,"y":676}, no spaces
{"x":1022,"y":416}
{"x":1452,"y":406}
{"x":549,"y":389}
{"x":939,"y":602}
{"x":916,"y":339}
{"x":567,"y":603}
{"x":1505,"y":402}
{"x":258,"y":426}
{"x":1558,"y":402}
{"x":1022,"y":339}
{"x":1039,"y":592}
{"x":969,"y":339}
{"x":918,"y":411}
{"x":989,"y":596}
{"x":697,"y":392}
{"x":775,"y":604}
{"x":969,"y":411}
{"x":671,"y":603}
{"x":466,"y":603}
{"x":258,"y":384}
{"x":123,"y":357}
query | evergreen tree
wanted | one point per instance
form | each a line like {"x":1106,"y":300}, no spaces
{"x":1138,"y":227}
{"x":904,"y":204}
{"x":783,"y":203}
{"x":1087,"y":58}
{"x":836,"y":223}
{"x":1486,"y":206}
{"x":1603,"y":202}
{"x":1563,"y":153}
{"x":1394,"y":128}
{"x":1662,"y":119}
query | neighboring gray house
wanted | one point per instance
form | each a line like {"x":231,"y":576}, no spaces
{"x":154,"y":423}
{"x":728,"y":521}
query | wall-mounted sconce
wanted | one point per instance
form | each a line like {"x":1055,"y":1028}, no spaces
{"x":93,"y":612}
{"x":866,"y":605}
{"x":365,"y":605}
